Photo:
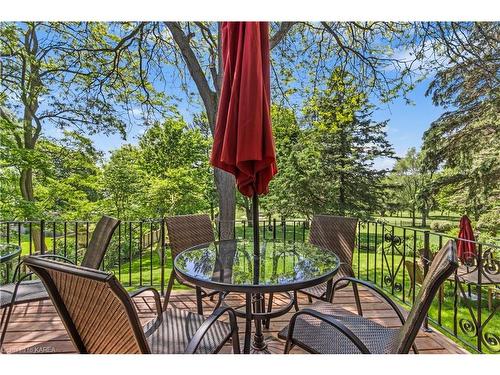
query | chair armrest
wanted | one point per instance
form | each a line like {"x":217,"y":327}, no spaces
{"x":17,"y":284}
{"x":376,"y":290}
{"x":337,"y":324}
{"x":205,"y":327}
{"x":55,"y":256}
{"x":156,"y":296}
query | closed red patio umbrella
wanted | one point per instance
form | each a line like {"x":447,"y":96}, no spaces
{"x":243,"y":142}
{"x":466,"y":250}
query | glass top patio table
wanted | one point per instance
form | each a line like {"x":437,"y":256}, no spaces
{"x":230,"y":266}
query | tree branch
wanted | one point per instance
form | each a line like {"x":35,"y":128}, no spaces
{"x":280,"y":34}
{"x":207,"y":94}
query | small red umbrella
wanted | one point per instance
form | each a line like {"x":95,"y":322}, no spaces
{"x":466,"y":250}
{"x":243,"y":140}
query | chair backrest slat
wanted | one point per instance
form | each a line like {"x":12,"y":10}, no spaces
{"x":96,"y":310}
{"x":187,"y":231}
{"x":334,"y":233}
{"x":445,"y":262}
{"x":98,"y":244}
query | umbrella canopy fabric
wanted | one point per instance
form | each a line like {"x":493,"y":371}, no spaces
{"x":466,"y":250}
{"x":243,"y":141}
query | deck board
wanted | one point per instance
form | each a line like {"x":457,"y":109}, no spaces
{"x":36,"y":328}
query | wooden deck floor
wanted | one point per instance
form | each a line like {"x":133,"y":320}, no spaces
{"x":36,"y":327}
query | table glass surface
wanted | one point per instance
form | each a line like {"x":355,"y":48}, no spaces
{"x":279,"y":264}
{"x":8,"y":252}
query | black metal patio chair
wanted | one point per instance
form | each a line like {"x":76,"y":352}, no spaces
{"x":24,"y":290}
{"x":100,"y":317}
{"x":322,"y":329}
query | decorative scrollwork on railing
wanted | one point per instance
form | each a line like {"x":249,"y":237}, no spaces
{"x":468,"y":327}
{"x":491,"y":341}
{"x":491,"y":265}
{"x":393,"y":239}
{"x":398,"y":287}
{"x":388,"y":280}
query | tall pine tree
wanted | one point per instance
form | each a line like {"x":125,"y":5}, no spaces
{"x":344,"y":141}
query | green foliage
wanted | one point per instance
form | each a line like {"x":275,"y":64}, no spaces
{"x":343,"y":141}
{"x":175,"y":157}
{"x":465,"y":141}
{"x":124,"y":181}
{"x":73,"y":76}
{"x":414,"y":184}
{"x":284,"y":189}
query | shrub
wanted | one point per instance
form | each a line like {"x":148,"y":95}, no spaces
{"x":441,"y":227}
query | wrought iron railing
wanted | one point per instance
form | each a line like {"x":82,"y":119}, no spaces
{"x":396,"y":258}
{"x":393,"y":257}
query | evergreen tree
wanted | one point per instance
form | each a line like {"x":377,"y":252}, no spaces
{"x":344,"y":141}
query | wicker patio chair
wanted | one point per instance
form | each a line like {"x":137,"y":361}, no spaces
{"x":100,"y":317}
{"x":186,"y":231}
{"x":321,"y":329}
{"x":23,"y":290}
{"x":337,"y":234}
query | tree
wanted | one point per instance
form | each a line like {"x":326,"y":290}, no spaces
{"x":313,"y":49}
{"x":68,"y":186}
{"x":414,"y":185}
{"x":84,"y":77}
{"x":285,"y":192}
{"x":464,"y":142}
{"x":90,"y":76}
{"x":175,"y":158}
{"x":123,"y":181}
{"x":346,"y":142}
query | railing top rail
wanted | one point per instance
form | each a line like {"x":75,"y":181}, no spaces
{"x":484,"y":244}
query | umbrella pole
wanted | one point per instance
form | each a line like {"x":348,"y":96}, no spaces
{"x":255,"y":219}
{"x":259,"y":343}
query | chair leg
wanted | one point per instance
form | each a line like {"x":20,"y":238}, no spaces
{"x":219,"y":301}
{"x":199,"y":301}
{"x":356,"y":298}
{"x":269,"y":309}
{"x":166,"y":298}
{"x":4,"y":326}
{"x":235,"y":338}
{"x":248,"y":324}
{"x":296,"y":301}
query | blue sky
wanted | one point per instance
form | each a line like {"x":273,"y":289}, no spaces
{"x":407,"y":123}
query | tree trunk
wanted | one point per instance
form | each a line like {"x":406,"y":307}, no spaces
{"x":227,"y":202}
{"x":413,"y":217}
{"x":424,"y":217}
{"x":225,"y":182}
{"x":248,"y":211}
{"x":26,"y":184}
{"x":342,"y":203}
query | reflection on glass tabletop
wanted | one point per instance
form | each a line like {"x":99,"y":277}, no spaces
{"x":230,"y":266}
